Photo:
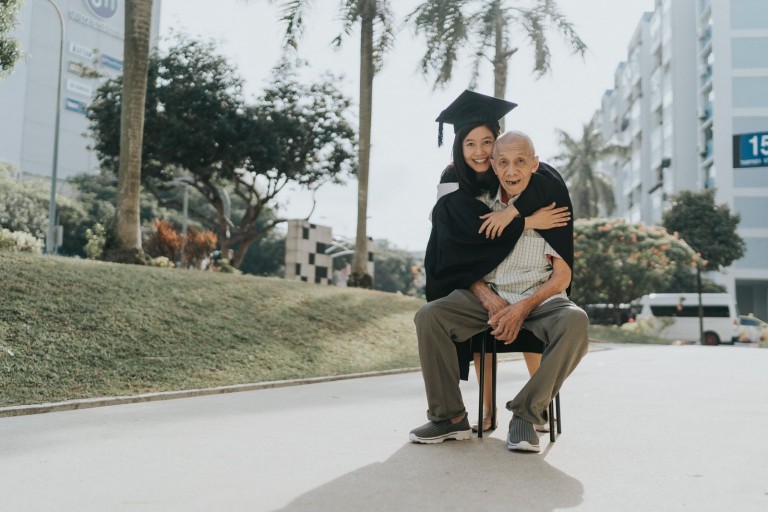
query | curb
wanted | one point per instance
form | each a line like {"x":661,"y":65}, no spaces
{"x":88,"y":403}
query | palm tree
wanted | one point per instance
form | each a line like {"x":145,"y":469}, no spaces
{"x":589,"y":187}
{"x":127,"y":230}
{"x":486,"y":26}
{"x":376,"y":21}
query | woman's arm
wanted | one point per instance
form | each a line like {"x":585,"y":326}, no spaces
{"x":495,"y":222}
{"x":548,"y":217}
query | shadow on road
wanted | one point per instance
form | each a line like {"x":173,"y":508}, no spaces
{"x":479,"y":475}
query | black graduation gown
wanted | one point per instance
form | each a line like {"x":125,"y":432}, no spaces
{"x":457,"y":255}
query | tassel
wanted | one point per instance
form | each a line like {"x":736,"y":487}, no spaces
{"x":440,"y":134}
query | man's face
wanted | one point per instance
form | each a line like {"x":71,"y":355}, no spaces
{"x":514,"y":163}
{"x":477,"y":146}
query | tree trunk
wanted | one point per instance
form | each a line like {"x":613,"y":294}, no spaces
{"x":127,"y":245}
{"x":499,"y":63}
{"x":360,"y":277}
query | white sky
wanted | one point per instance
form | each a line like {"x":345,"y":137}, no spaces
{"x":405,"y":160}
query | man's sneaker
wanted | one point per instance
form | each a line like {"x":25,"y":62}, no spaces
{"x":522,"y":436}
{"x":439,"y":431}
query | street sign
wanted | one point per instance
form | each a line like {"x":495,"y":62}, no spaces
{"x":750,"y":150}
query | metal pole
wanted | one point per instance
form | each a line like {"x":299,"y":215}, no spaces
{"x":50,"y":247}
{"x":185,"y":220}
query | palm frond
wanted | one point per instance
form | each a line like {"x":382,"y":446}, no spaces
{"x":348,"y":15}
{"x":292,"y":14}
{"x":444,"y":24}
{"x":550,"y":10}
{"x":384,"y":32}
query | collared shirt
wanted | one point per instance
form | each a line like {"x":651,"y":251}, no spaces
{"x":527,"y":267}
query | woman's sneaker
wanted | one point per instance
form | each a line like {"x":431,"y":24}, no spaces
{"x":439,"y":431}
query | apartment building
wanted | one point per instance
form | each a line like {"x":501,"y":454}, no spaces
{"x":89,"y":51}
{"x":691,"y":101}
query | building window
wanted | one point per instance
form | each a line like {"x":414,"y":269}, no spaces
{"x":749,"y":52}
{"x":298,"y":269}
{"x":311,"y":258}
{"x":749,"y":14}
{"x":305,"y":233}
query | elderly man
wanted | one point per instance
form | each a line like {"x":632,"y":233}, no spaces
{"x":526,"y":290}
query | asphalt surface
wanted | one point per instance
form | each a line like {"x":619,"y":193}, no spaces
{"x":645,"y":428}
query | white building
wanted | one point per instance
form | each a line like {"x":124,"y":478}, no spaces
{"x":692,"y":102}
{"x":92,"y":53}
{"x":310,"y":250}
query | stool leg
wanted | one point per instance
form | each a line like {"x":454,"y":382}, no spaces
{"x":559,"y":420}
{"x":493,"y":385}
{"x":552,"y":422}
{"x":481,"y":384}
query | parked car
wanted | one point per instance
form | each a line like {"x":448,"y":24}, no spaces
{"x":677,"y":316}
{"x":752,"y":329}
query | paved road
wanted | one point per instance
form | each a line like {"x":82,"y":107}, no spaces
{"x":646,"y":428}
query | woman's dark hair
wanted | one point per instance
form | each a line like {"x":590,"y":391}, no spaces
{"x":466,"y":177}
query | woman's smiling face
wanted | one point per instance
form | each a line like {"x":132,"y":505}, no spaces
{"x":478,"y":146}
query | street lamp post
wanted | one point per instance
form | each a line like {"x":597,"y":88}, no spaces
{"x":50,"y":246}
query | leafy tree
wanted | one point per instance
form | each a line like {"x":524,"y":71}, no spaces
{"x":376,"y":36}
{"x":487,"y":26}
{"x":709,"y":229}
{"x":616,"y":262}
{"x":24,"y":208}
{"x":236,"y":157}
{"x":9,"y":47}
{"x":393,"y":268}
{"x":589,"y":187}
{"x":127,"y":228}
{"x":266,"y":256}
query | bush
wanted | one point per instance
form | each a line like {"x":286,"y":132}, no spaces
{"x":97,"y":238}
{"x":18,"y":241}
{"x":198,"y":246}
{"x":161,"y":261}
{"x":164,"y":241}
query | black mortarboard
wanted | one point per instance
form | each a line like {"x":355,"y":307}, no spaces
{"x":472,"y":108}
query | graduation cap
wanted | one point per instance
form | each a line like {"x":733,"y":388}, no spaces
{"x":472,"y":108}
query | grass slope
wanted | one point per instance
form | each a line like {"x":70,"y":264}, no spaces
{"x":75,"y":329}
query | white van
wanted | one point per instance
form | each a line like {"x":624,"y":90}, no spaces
{"x":677,"y":316}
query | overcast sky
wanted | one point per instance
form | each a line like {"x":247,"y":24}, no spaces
{"x":405,"y":160}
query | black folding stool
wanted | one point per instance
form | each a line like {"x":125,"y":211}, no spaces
{"x":554,"y":405}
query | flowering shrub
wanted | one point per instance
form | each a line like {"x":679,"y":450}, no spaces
{"x":616,"y":262}
{"x":198,"y":246}
{"x":18,"y":241}
{"x":164,"y":241}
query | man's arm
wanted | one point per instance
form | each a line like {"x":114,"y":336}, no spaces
{"x":507,"y":322}
{"x":489,"y":298}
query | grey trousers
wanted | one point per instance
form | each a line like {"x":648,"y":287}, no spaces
{"x":559,"y":323}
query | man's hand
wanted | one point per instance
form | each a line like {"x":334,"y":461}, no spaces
{"x":507,"y":322}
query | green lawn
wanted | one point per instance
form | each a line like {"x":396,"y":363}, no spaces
{"x":75,"y":329}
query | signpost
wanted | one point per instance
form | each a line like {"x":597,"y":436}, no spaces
{"x":750,"y":150}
